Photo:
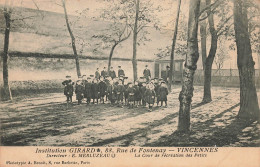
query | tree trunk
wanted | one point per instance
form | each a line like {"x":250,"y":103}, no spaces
{"x":203,"y":37}
{"x":249,"y":108}
{"x":72,"y":39}
{"x":134,"y":62}
{"x":6,"y":89}
{"x":171,"y":77}
{"x":258,"y":55}
{"x":111,"y":55}
{"x":186,"y":93}
{"x":209,"y":60}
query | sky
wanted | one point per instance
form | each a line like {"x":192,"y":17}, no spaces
{"x":53,"y":5}
{"x":95,"y":7}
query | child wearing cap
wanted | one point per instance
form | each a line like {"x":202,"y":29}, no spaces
{"x":131,"y":93}
{"x":66,"y":81}
{"x":94,"y":90}
{"x":150,"y":95}
{"x":79,"y":90}
{"x":68,"y":90}
{"x":97,"y":74}
{"x":137,"y":94}
{"x":104,"y":72}
{"x":111,"y":92}
{"x":88,"y":90}
{"x":120,"y":89}
{"x":112,"y":73}
{"x":102,"y":89}
{"x":163,"y":91}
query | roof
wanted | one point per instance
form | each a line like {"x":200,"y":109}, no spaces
{"x":168,"y":58}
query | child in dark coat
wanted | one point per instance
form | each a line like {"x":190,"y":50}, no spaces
{"x":111,"y":92}
{"x":137,"y":95}
{"x":131,"y":93}
{"x":68,"y":91}
{"x":102,"y":86}
{"x":163,"y":91}
{"x":87,"y":93}
{"x":150,"y":95}
{"x":143,"y":90}
{"x":120,"y":89}
{"x":94,"y":91}
{"x":79,"y":90}
{"x":156,"y":89}
{"x":107,"y":81}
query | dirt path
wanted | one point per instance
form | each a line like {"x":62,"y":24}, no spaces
{"x":43,"y":120}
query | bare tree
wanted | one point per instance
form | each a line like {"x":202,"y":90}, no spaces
{"x":7,"y":15}
{"x":116,"y":32}
{"x":203,"y":35}
{"x":113,"y":39}
{"x":249,"y":108}
{"x":135,"y":32}
{"x":8,"y":12}
{"x":171,"y":77}
{"x":72,"y":38}
{"x":215,"y":34}
{"x":186,"y":93}
{"x":141,"y":14}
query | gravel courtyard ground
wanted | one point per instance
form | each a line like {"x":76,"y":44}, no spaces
{"x":44,"y":120}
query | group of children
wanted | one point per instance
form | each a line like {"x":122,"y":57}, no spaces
{"x":117,"y":90}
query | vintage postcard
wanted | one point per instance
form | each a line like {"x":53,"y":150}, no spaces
{"x":129,"y":83}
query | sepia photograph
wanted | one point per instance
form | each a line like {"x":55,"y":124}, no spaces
{"x":130,"y":73}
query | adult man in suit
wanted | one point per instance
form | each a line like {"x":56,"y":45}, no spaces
{"x":112,"y":73}
{"x":97,"y":74}
{"x":147,"y":73}
{"x":104,"y":73}
{"x":121,"y":72}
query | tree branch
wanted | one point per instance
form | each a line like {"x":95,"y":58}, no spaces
{"x":58,"y":4}
{"x":36,"y":5}
{"x":141,"y":27}
{"x":209,"y":6}
{"x":221,"y":32}
{"x":203,"y":18}
{"x":223,"y":24}
{"x":126,"y":23}
{"x":125,"y":37}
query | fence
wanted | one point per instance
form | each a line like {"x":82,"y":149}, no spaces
{"x":223,"y":77}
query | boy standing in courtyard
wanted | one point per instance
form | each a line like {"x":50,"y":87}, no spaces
{"x":87,"y":93}
{"x":131,"y":95}
{"x":68,"y":91}
{"x":163,"y":92}
{"x":120,"y":89}
{"x":94,"y":90}
{"x":102,"y":89}
{"x":79,"y":90}
{"x":150,"y":95}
